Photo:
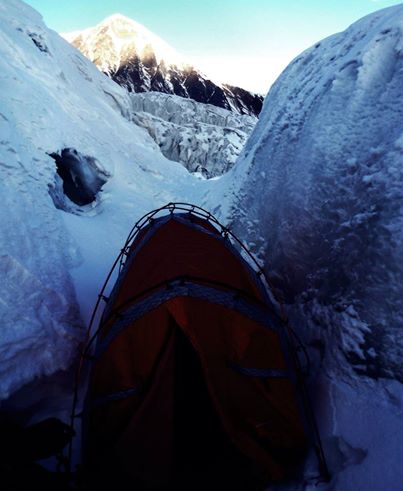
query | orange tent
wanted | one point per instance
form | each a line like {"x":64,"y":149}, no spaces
{"x":190,"y":383}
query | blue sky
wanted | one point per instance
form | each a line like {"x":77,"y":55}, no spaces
{"x":243,"y":42}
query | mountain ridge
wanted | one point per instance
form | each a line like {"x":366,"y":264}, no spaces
{"x":140,"y":61}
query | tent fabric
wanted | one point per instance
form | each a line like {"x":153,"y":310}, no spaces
{"x":188,"y":308}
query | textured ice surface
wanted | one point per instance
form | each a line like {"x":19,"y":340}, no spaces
{"x":319,"y":191}
{"x":329,"y":147}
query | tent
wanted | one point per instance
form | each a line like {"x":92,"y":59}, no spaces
{"x":191,"y":382}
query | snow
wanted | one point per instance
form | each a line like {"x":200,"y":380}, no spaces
{"x":140,"y":61}
{"x":52,"y":261}
{"x":125,"y":37}
{"x":204,"y":138}
{"x":318,"y":193}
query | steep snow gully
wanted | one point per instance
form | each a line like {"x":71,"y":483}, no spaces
{"x":316,"y":193}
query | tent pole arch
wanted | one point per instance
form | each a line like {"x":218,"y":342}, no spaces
{"x":293,"y":341}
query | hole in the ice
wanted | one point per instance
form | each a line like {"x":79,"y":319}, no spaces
{"x":39,"y":42}
{"x":79,"y":177}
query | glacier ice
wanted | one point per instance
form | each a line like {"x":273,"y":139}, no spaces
{"x":204,"y":138}
{"x":328,"y":144}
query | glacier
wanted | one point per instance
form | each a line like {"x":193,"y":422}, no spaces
{"x":206,"y":139}
{"x":316,"y":193}
{"x":52,"y":261}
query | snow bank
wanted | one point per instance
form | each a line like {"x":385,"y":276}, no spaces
{"x":52,"y":262}
{"x":319,"y":191}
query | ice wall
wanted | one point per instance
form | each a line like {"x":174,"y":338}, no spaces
{"x":319,"y":197}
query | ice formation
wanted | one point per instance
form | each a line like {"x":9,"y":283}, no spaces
{"x":79,"y":178}
{"x":319,"y":191}
{"x":52,"y":98}
{"x":204,"y":138}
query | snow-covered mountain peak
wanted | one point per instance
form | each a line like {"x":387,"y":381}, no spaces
{"x":129,"y":33}
{"x":141,"y":61}
{"x":124,"y":26}
{"x":117,"y":17}
{"x":117,"y":39}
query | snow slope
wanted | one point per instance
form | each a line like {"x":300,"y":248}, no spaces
{"x":124,"y":37}
{"x":53,"y":261}
{"x":204,"y":138}
{"x":319,"y":190}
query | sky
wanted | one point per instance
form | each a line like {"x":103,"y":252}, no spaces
{"x":242,"y":42}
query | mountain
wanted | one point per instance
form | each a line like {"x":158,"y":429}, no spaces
{"x":75,"y":173}
{"x":139,"y":60}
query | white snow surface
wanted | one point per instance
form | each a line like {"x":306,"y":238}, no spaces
{"x":126,"y":36}
{"x":141,"y":62}
{"x":52,"y":262}
{"x":204,"y":138}
{"x":319,"y":191}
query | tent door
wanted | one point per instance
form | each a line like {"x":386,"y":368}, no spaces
{"x":203,"y":453}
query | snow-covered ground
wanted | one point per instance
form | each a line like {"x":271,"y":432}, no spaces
{"x":316,"y":192}
{"x":204,"y":138}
